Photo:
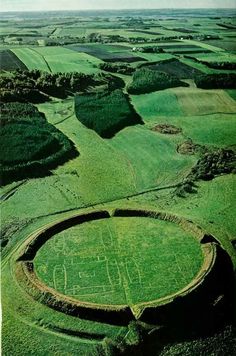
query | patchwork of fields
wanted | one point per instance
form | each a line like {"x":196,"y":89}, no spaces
{"x":73,"y":285}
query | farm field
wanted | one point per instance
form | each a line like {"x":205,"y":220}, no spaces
{"x":117,"y":207}
{"x":222,"y":57}
{"x":198,"y":102}
{"x":132,"y":142}
{"x":57,"y":60}
{"x":190,"y":114}
{"x":108,"y":53}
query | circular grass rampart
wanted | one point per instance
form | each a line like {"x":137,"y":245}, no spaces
{"x":127,"y":277}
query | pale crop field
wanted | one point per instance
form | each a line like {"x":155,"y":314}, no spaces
{"x":195,"y":101}
{"x":70,"y":31}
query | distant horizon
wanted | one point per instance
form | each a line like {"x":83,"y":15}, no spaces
{"x":111,"y":5}
{"x":123,"y":9}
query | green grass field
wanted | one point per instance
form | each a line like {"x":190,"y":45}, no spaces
{"x":31,"y":59}
{"x":119,"y":261}
{"x":217,"y":57}
{"x":191,"y":114}
{"x":153,"y":105}
{"x":57,"y":59}
{"x":144,"y":151}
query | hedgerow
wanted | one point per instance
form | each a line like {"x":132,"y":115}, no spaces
{"x":216,"y":81}
{"x":37,"y":86}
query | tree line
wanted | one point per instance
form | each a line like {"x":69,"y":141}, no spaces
{"x":37,"y":86}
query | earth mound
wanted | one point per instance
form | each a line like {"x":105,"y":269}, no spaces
{"x":167,"y":129}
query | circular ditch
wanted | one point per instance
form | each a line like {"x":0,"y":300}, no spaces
{"x":121,"y":261}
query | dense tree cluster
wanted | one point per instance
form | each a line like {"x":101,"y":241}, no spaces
{"x":120,"y":68}
{"x":216,"y":81}
{"x":15,"y":111}
{"x":106,"y":113}
{"x":35,"y":86}
{"x":209,"y":165}
{"x":146,"y":80}
{"x":30,"y":146}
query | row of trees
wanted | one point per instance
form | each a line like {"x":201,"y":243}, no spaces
{"x":220,"y":65}
{"x":120,"y":68}
{"x":36,"y":86}
{"x":216,"y":81}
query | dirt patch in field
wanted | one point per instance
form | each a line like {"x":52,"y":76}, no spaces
{"x":167,"y":129}
{"x":189,"y":148}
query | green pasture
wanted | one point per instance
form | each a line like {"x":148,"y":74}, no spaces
{"x":31,"y":58}
{"x":225,"y":43}
{"x":152,"y":157}
{"x":159,"y":103}
{"x":85,"y":31}
{"x":203,"y":68}
{"x":201,"y":120}
{"x":99,"y":166}
{"x":57,"y":59}
{"x":154,"y":57}
{"x":213,"y":208}
{"x":29,"y":325}
{"x":119,"y":32}
{"x":119,"y":261}
{"x":204,"y":45}
{"x":73,"y":62}
{"x":232,"y":93}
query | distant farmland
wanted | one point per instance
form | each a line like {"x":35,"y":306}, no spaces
{"x":108,"y":53}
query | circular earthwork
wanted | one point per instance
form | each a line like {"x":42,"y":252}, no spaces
{"x":119,"y":262}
